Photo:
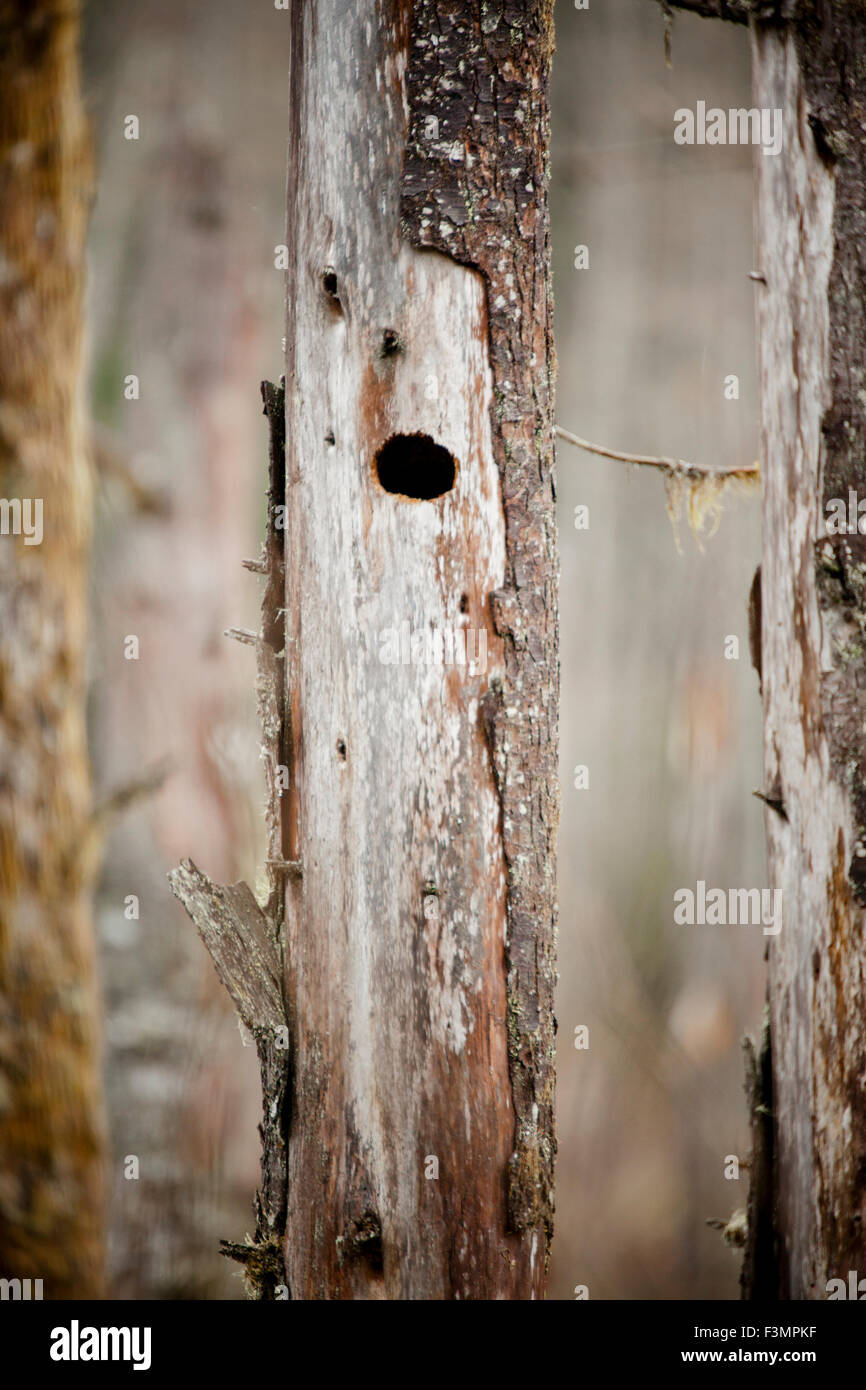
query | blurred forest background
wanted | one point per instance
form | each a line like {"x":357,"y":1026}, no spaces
{"x":183,"y":294}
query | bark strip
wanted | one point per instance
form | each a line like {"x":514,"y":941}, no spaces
{"x":246,"y":941}
{"x":478,"y":102}
{"x":812,"y":347}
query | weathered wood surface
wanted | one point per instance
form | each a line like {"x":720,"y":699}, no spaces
{"x":426,"y":881}
{"x":809,"y":60}
{"x":412,"y":852}
{"x":811,"y":212}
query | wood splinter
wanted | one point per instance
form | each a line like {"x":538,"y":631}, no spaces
{"x":242,"y":634}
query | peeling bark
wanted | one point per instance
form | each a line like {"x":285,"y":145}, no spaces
{"x":476,"y":190}
{"x":244,"y":940}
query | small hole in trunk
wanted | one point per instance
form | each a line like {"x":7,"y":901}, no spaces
{"x":414,"y":465}
{"x":331,"y":287}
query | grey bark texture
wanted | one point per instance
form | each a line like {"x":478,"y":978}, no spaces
{"x":809,"y":59}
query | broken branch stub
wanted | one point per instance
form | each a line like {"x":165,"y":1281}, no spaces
{"x":238,"y":938}
{"x":235,"y":931}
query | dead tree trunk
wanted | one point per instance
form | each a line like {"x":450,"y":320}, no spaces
{"x":408,"y":669}
{"x":809,"y":57}
{"x":51,"y":1130}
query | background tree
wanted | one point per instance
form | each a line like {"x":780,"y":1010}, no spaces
{"x":407,"y":943}
{"x":808,"y":60}
{"x":51,"y":1137}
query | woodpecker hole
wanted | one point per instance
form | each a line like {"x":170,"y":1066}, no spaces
{"x":414,"y":466}
{"x":341,"y":748}
{"x":391,"y":344}
{"x":464,"y":603}
{"x":330,"y":286}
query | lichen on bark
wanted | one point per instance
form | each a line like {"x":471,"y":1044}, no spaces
{"x":474,"y":187}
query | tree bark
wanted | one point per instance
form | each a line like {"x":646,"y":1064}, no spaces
{"x":811,"y":210}
{"x":412,"y":855}
{"x":808,"y":59}
{"x":51,"y":1137}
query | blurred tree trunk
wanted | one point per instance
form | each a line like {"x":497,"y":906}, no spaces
{"x":809,"y":57}
{"x":51,"y":1136}
{"x":408,"y":939}
{"x":191,"y":203}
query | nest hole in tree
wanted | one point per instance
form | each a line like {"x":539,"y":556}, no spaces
{"x":331,"y":287}
{"x":415,"y":466}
